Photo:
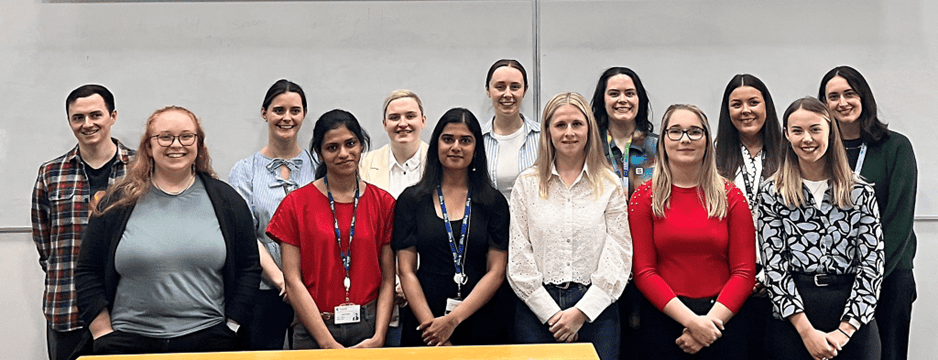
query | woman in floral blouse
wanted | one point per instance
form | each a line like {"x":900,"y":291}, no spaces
{"x":822,"y":245}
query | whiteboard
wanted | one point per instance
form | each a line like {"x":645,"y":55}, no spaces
{"x":219,"y":58}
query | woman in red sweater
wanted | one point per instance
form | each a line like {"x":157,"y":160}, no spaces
{"x":694,"y":247}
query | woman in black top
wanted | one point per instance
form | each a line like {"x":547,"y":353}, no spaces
{"x":451,"y":294}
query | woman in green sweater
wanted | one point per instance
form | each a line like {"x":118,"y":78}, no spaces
{"x":885,"y":159}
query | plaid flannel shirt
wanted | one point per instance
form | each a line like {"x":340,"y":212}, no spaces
{"x":60,"y":210}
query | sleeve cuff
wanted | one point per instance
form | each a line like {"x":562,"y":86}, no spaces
{"x":593,"y":303}
{"x":543,"y":306}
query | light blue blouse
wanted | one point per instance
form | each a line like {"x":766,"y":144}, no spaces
{"x":257,"y":179}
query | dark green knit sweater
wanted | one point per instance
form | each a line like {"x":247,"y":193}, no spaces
{"x":890,"y":167}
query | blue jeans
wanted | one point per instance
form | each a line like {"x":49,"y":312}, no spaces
{"x":602,"y":332}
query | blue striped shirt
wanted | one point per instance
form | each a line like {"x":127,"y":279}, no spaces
{"x":259,"y":182}
{"x":526,"y":156}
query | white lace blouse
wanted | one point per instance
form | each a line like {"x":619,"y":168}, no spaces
{"x":572,"y":236}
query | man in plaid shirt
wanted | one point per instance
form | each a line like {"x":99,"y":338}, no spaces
{"x":66,"y":190}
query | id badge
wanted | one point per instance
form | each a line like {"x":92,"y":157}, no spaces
{"x":451,"y":305}
{"x":348,"y":314}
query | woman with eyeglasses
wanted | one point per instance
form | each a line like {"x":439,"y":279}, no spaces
{"x":264,"y":179}
{"x":822,"y":243}
{"x":168,"y":262}
{"x":335,"y":235}
{"x":694,"y":247}
{"x":748,"y":151}
{"x":456,"y":223}
{"x":569,"y":246}
{"x":883,"y":158}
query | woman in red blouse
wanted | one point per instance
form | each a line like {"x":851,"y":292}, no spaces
{"x":335,"y":235}
{"x":694,"y":246}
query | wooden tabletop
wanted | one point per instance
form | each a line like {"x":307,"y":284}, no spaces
{"x":575,"y":351}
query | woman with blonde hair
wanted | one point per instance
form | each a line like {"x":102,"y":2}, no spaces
{"x":569,"y":248}
{"x":168,"y":261}
{"x":400,"y":163}
{"x":694,"y":247}
{"x":822,"y":243}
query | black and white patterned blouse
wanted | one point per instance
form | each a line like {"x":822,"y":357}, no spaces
{"x":825,"y":240}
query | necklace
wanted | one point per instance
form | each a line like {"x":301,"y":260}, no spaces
{"x":191,"y":181}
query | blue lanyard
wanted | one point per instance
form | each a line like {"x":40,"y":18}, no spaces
{"x":860,"y":160}
{"x":346,"y":256}
{"x":624,"y":173}
{"x":458,"y":250}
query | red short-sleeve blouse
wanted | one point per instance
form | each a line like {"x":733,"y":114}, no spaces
{"x":304,"y":220}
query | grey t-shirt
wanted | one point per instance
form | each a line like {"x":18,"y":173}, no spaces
{"x":169,"y":260}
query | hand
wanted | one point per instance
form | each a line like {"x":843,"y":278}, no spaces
{"x":400,"y":299}
{"x":837,"y":339}
{"x":817,"y":344}
{"x":566,"y":324}
{"x":95,"y":336}
{"x":759,"y":289}
{"x":368,"y":343}
{"x":687,"y":343}
{"x":705,"y":330}
{"x":284,"y":296}
{"x":437,"y":331}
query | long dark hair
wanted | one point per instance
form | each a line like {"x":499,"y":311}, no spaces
{"x":512,"y":63}
{"x":333,"y":119}
{"x":871,"y":128}
{"x":598,"y":103}
{"x":729,"y":158}
{"x":478,"y":178}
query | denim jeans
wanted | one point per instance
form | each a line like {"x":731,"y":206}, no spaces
{"x":602,"y":332}
{"x":216,"y":338}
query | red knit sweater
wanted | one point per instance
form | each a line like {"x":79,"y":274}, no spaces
{"x":688,"y":254}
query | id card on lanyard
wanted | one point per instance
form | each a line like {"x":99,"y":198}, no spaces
{"x":347,"y":312}
{"x":623,"y":173}
{"x":860,"y":160}
{"x":458,"y":249}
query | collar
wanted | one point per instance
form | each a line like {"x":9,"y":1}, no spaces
{"x":411,"y":164}
{"x":528,"y":125}
{"x":583,"y":173}
{"x":123,"y":153}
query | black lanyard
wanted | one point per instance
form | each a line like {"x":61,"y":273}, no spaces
{"x":458,"y":250}
{"x":346,"y":256}
{"x":752,"y":190}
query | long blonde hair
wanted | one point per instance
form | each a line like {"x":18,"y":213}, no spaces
{"x":712,"y":186}
{"x":137,"y":182}
{"x":788,"y":180}
{"x":597,"y":168}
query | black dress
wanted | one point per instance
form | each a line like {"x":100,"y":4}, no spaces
{"x":417,"y":225}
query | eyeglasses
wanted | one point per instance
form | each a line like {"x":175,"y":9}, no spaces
{"x":166,"y":140}
{"x":694,"y":133}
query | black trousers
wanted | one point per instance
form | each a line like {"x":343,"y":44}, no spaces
{"x":67,"y":345}
{"x":894,"y":313}
{"x":755,"y":313}
{"x":824,"y":306}
{"x":272,"y":318}
{"x":215,"y":338}
{"x":660,"y":331}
